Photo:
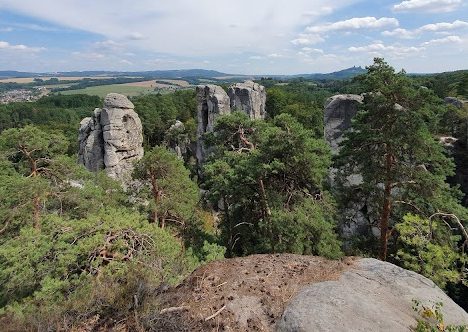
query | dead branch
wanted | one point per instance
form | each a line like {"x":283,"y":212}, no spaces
{"x":215,"y":314}
{"x":173,"y":309}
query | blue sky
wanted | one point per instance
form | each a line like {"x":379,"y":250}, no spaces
{"x":242,"y":36}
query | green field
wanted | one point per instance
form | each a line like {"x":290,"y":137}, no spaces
{"x":103,"y":90}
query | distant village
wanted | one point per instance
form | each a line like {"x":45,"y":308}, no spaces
{"x":23,"y":95}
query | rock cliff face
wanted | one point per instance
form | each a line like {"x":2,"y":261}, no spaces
{"x":339,"y":111}
{"x":91,"y":153}
{"x":248,"y":97}
{"x":112,"y":138}
{"x":212,"y":101}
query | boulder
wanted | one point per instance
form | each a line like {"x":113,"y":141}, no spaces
{"x":112,"y":138}
{"x":212,"y":101}
{"x":371,"y":296}
{"x":248,"y":97}
{"x":454,"y":101}
{"x":339,"y":111}
{"x":115,"y":100}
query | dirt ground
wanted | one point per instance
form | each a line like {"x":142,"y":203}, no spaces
{"x":241,"y":294}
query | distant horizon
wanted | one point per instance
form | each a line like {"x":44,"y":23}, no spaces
{"x":207,"y":69}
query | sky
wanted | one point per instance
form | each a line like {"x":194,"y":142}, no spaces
{"x":238,"y":37}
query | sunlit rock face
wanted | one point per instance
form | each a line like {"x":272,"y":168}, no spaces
{"x":212,"y":102}
{"x":339,"y":111}
{"x":112,"y":138}
{"x":248,"y":97}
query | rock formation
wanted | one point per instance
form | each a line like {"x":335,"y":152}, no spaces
{"x":91,"y":153}
{"x":372,"y":296}
{"x":212,"y":101}
{"x":248,"y":97}
{"x":286,"y":292}
{"x":454,"y":101}
{"x":112,"y":138}
{"x":339,"y":110}
{"x":338,"y":113}
{"x":177,"y":139}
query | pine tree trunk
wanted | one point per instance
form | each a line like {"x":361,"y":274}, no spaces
{"x":156,"y":196}
{"x":266,"y":212}
{"x":387,"y":205}
{"x":37,"y":211}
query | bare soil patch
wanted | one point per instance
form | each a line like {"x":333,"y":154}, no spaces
{"x":241,"y":294}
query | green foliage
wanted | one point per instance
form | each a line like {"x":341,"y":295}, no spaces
{"x":158,"y":112}
{"x":268,"y":178}
{"x":403,"y":166}
{"x":301,"y":100}
{"x":64,"y":266}
{"x":173,"y":194}
{"x":432,"y":319}
{"x":429,"y":248}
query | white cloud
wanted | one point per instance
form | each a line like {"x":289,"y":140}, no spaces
{"x":136,"y":36}
{"x":7,"y":29}
{"x":400,"y":33}
{"x":443,"y":26}
{"x":309,"y":50}
{"x":307,"y":39}
{"x":434,"y":27}
{"x":6,"y":46}
{"x":432,"y":6}
{"x":275,"y":55}
{"x":355,"y":23}
{"x":181,"y":27}
{"x":380,"y":49}
{"x":445,"y":40}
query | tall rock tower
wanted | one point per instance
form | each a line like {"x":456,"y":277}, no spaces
{"x":112,"y":138}
{"x":212,"y":102}
{"x":248,"y":97}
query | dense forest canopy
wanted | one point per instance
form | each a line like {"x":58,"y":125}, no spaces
{"x":74,"y":245}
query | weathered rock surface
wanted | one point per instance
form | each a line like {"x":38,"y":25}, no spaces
{"x":248,"y":97}
{"x":177,"y":139}
{"x":339,"y":111}
{"x":454,"y":101}
{"x":212,"y":101}
{"x":112,"y":138}
{"x":371,"y":296}
{"x":91,"y":153}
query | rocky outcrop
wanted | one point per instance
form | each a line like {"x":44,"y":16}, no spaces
{"x":177,"y":139}
{"x":372,"y":296}
{"x":212,"y":101}
{"x":91,"y":153}
{"x":339,"y":111}
{"x":248,"y":97}
{"x":112,"y":138}
{"x":454,"y":101}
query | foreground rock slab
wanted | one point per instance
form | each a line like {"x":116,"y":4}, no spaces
{"x":371,"y":296}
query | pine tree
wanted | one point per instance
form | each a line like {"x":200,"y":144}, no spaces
{"x":401,"y":163}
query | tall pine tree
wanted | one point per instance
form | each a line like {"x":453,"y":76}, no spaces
{"x":403,"y":166}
